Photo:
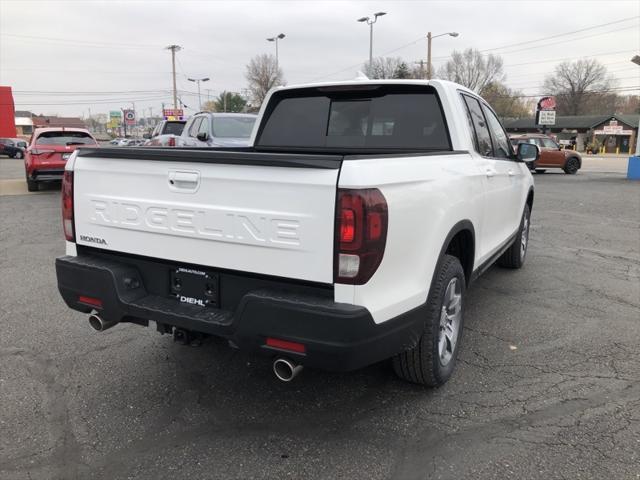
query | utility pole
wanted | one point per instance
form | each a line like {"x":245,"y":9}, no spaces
{"x":174,"y":49}
{"x":429,"y":38}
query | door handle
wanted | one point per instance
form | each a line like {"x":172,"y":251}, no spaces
{"x":184,"y":181}
{"x":490,"y":172}
{"x":511,"y":173}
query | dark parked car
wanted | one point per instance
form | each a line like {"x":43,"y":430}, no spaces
{"x":14,"y":147}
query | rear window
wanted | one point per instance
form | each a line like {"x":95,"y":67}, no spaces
{"x":368,"y":118}
{"x":65,"y":138}
{"x":233,"y":127}
{"x":174,"y":128}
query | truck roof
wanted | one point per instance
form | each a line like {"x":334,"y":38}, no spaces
{"x":363,"y":81}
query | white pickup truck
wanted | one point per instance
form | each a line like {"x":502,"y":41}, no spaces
{"x":346,"y":234}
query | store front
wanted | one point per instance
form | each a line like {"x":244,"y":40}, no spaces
{"x":614,"y":136}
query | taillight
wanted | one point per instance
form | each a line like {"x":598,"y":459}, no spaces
{"x":67,"y":206}
{"x":172,"y":141}
{"x":361,"y":234}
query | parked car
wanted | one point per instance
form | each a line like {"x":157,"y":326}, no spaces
{"x":13,"y":147}
{"x":47,"y":154}
{"x":552,"y":155}
{"x":206,"y":129}
{"x":348,"y":233}
{"x":165,"y":133}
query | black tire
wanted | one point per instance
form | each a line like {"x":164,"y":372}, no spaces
{"x":540,"y":170}
{"x":19,"y":155}
{"x":32,"y":185}
{"x":423,"y":364}
{"x":516,"y":254}
{"x":571,"y":166}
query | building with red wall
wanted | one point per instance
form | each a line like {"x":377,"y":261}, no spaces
{"x":7,"y":113}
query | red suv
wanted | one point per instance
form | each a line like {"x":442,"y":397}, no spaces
{"x":49,"y":150}
{"x":551,"y":154}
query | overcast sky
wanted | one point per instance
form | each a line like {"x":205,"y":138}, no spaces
{"x":115,"y":49}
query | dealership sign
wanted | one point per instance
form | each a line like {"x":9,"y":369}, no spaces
{"x":546,"y":111}
{"x":129,"y":117}
{"x":173,"y":114}
{"x":115,"y":118}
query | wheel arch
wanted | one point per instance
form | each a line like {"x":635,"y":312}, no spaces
{"x":460,"y":242}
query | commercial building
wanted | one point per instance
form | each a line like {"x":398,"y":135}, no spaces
{"x":615,"y":133}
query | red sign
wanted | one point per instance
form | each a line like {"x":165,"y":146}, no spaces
{"x":172,"y":112}
{"x":129,"y":117}
{"x":547,"y":103}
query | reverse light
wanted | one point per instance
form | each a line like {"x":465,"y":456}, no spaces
{"x":67,"y":206}
{"x":361,"y":234}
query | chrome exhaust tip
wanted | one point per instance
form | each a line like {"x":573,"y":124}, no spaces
{"x":99,"y":324}
{"x":285,"y":369}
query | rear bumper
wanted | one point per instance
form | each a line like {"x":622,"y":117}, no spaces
{"x":337,"y":336}
{"x":46,"y":175}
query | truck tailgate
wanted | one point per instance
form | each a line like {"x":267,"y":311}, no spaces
{"x":252,"y":212}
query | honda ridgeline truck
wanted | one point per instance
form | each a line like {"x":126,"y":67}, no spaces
{"x":346,"y":234}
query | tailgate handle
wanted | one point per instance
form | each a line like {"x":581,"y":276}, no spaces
{"x":184,"y":181}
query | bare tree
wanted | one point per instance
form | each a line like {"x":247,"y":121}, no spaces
{"x":574,"y":83}
{"x":263,"y":74}
{"x":473,"y":69}
{"x":383,"y":67}
{"x":508,"y":103}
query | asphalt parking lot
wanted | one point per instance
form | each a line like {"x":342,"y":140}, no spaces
{"x":548,"y":384}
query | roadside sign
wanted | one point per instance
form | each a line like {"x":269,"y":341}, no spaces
{"x":173,"y":114}
{"x":546,"y":111}
{"x":546,"y":117}
{"x":129,"y":117}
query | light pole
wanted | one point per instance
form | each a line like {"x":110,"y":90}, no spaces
{"x":636,"y":60}
{"x":198,"y":80}
{"x":369,"y":21}
{"x":275,"y":39}
{"x":429,"y":38}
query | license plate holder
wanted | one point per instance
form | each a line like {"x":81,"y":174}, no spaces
{"x":195,"y":287}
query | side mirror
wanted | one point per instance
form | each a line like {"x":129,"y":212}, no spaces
{"x":527,"y":152}
{"x":203,"y":136}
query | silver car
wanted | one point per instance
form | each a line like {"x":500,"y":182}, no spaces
{"x":218,"y":130}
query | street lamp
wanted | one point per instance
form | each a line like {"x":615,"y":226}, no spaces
{"x":429,"y":38}
{"x":198,"y":80}
{"x":275,"y":39}
{"x":369,"y":21}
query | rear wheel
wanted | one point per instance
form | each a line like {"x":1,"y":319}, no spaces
{"x":432,"y":361}
{"x":19,"y":155}
{"x":572,"y":165}
{"x":515,"y":255}
{"x":32,"y":185}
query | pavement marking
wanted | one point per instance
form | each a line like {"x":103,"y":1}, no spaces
{"x":17,"y":186}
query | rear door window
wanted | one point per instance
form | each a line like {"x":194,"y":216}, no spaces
{"x":483,"y":138}
{"x":376,"y":118}
{"x":501,"y":146}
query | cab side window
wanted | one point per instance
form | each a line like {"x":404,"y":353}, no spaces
{"x":204,"y":126}
{"x":548,"y":143}
{"x":483,"y":138}
{"x":195,"y":125}
{"x":502,"y":147}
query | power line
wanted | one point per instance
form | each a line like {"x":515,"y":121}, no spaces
{"x":79,"y":43}
{"x":561,"y":34}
